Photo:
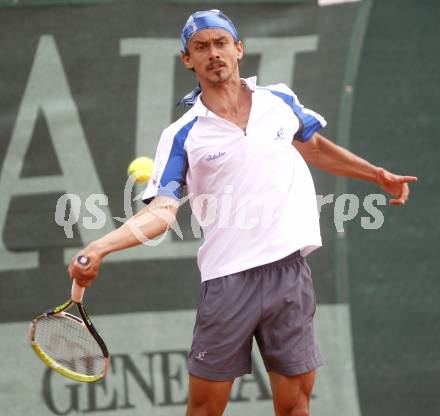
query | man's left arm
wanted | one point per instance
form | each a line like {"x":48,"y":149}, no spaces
{"x":325,"y":155}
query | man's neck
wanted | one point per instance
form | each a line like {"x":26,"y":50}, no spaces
{"x":232,"y":100}
{"x":225,"y":99}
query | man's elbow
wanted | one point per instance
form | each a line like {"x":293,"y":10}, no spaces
{"x":165,"y":209}
{"x":309,"y":149}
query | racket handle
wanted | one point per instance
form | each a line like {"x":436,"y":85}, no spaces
{"x":77,"y":292}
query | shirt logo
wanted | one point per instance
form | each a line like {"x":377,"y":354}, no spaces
{"x":280,"y":134}
{"x":215,"y":156}
{"x":200,"y":355}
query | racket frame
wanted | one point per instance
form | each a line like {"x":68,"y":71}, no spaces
{"x":60,"y":311}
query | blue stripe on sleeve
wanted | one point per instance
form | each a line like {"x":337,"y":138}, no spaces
{"x":174,"y":174}
{"x":308,"y":123}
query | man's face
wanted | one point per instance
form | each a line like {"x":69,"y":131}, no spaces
{"x":214,"y":55}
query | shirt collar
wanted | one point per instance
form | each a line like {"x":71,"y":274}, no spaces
{"x":201,"y":110}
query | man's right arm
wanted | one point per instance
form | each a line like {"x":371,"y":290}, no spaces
{"x":147,"y":224}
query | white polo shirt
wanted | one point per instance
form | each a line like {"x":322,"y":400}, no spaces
{"x":251,"y":191}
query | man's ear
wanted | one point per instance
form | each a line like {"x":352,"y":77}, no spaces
{"x":186,"y":59}
{"x":240,"y":50}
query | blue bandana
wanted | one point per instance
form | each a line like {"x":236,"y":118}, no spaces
{"x":208,"y":19}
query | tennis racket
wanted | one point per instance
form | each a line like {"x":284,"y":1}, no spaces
{"x":70,"y":345}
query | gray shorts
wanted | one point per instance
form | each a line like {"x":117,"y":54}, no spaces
{"x":275,"y":303}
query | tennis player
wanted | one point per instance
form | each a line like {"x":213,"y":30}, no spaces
{"x":241,"y":150}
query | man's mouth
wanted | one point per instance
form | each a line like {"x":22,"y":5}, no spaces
{"x":215,"y":65}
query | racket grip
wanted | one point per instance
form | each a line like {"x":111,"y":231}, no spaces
{"x":77,"y":292}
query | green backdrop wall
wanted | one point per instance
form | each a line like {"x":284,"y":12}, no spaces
{"x":87,"y":86}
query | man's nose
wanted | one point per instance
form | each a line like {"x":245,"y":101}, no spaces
{"x":213,"y":52}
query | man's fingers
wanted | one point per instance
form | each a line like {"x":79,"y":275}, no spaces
{"x":401,"y":179}
{"x":405,"y":179}
{"x":83,"y":275}
{"x":388,"y":176}
{"x":391,"y":184}
{"x":397,"y":201}
{"x":405,"y":192}
{"x":403,"y":197}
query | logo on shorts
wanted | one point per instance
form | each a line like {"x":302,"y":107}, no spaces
{"x":200,"y":355}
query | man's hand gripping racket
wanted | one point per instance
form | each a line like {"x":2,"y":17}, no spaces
{"x":68,"y":344}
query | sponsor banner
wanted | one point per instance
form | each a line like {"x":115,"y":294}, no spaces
{"x":148,"y":371}
{"x":91,"y":87}
{"x":85,"y":90}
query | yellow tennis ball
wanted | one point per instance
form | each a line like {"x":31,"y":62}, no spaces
{"x":141,"y":168}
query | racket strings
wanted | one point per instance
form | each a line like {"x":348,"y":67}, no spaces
{"x":70,"y":344}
